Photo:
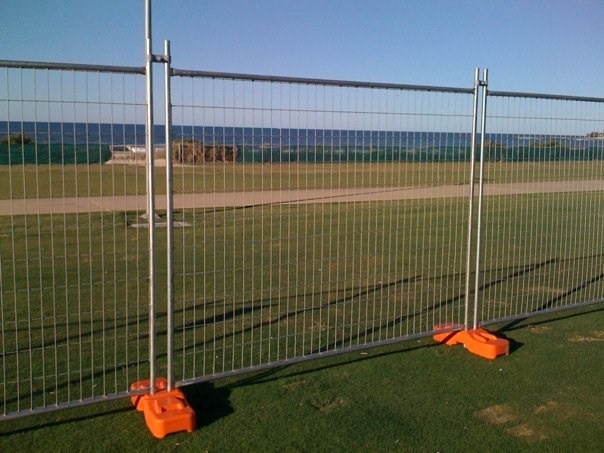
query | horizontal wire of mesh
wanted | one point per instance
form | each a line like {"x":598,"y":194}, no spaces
{"x":543,"y":238}
{"x":315,"y":218}
{"x":72,"y":271}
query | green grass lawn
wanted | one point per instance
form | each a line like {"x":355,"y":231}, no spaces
{"x":415,"y":396}
{"x":266,"y":284}
{"x":30,"y":181}
{"x":270,"y":283}
{"x":251,"y":286}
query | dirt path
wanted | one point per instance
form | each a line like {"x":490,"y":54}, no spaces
{"x":259,"y":198}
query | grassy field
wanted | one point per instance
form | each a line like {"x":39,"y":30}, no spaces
{"x":251,"y":286}
{"x":415,"y":396}
{"x":68,"y":181}
{"x":268,"y":283}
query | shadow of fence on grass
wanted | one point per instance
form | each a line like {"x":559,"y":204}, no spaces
{"x":253,"y":307}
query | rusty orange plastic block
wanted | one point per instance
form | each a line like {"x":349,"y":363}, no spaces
{"x":136,"y":400}
{"x":168,"y":412}
{"x":477,"y":341}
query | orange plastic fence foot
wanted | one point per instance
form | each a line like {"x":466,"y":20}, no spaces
{"x":144,"y":385}
{"x":168,"y":412}
{"x":165,"y":411}
{"x":449,"y":334}
{"x":477,"y":341}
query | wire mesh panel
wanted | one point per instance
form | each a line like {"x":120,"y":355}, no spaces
{"x":544,"y":243}
{"x":316,"y":217}
{"x":72,"y":268}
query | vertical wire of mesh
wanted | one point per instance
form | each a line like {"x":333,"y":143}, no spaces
{"x":543,"y":241}
{"x":319,"y":217}
{"x":68,"y":293}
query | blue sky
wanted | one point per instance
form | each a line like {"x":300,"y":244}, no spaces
{"x":551,"y":46}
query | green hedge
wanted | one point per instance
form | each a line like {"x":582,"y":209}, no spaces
{"x":433,"y":154}
{"x":53,"y":154}
{"x":321,"y":154}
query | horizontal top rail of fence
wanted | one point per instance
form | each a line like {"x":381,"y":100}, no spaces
{"x":554,"y":97}
{"x":72,"y":67}
{"x":314,"y":81}
{"x":18,"y":64}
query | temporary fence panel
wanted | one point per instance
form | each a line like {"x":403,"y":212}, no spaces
{"x":543,"y":243}
{"x":73,"y":317}
{"x":311,"y":217}
{"x":317,"y":217}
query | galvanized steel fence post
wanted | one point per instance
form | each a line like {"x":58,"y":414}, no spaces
{"x":484,"y":84}
{"x":150,"y":172}
{"x":169,"y":215}
{"x":472,"y":162}
{"x":474,"y":244}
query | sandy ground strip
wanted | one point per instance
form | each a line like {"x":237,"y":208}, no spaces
{"x":268,"y":197}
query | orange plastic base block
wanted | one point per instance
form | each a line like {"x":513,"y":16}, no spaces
{"x":137,"y":400}
{"x":165,"y":411}
{"x":477,"y":341}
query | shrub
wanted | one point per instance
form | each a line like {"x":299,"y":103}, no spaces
{"x":17,"y":139}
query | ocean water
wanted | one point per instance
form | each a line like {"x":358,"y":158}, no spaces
{"x":134,"y":134}
{"x":321,"y":145}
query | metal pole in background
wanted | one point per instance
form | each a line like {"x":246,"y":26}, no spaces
{"x":484,"y":83}
{"x":150,"y":190}
{"x":169,"y":212}
{"x":471,"y":196}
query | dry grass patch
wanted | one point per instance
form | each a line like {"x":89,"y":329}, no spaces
{"x":497,"y":414}
{"x":597,"y":335}
{"x":547,"y":407}
{"x":527,"y":432}
{"x":293,"y":385}
{"x":539,"y":330}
